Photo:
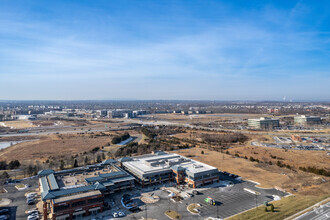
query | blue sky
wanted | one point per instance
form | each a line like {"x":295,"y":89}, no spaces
{"x":214,"y":50}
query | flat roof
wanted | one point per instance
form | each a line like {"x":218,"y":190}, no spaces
{"x":160,"y":163}
{"x":80,"y":181}
{"x":85,"y":177}
{"x":77,"y":196}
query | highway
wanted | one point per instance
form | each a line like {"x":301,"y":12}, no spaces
{"x":126,"y":125}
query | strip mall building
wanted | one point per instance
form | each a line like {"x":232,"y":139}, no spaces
{"x":72,"y":194}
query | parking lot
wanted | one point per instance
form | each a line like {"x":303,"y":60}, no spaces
{"x":230,"y":200}
{"x":18,"y":205}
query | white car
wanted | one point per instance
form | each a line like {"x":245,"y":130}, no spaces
{"x":31,"y":196}
{"x":31,"y":217}
{"x":115,"y":215}
{"x":32,"y":211}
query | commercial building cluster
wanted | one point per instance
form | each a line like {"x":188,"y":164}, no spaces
{"x":266,"y":123}
{"x":72,"y":194}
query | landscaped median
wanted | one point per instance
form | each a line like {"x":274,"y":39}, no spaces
{"x":173,"y":214}
{"x":193,"y":208}
{"x":21,"y":187}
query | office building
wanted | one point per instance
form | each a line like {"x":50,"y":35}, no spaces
{"x":161,"y":167}
{"x":307,"y":120}
{"x":263,"y":123}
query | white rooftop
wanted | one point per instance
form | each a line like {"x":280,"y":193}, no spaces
{"x":159,"y":163}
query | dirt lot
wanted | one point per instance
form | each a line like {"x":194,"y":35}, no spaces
{"x":266,"y":175}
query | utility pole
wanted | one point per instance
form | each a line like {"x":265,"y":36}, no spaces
{"x":146,"y":212}
{"x":256,"y":200}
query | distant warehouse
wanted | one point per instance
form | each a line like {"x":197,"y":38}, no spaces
{"x":264,"y":123}
{"x":307,"y":120}
{"x":161,"y":167}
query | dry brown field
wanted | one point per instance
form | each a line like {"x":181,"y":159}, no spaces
{"x":19,"y":124}
{"x":294,"y":158}
{"x":23,"y":124}
{"x":56,"y":146}
{"x":267,"y":175}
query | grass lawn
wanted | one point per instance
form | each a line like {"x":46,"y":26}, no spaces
{"x":173,"y":214}
{"x":20,"y":186}
{"x":283,"y":208}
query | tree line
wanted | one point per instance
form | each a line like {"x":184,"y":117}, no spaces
{"x":120,"y":138}
{"x":139,"y":149}
{"x":221,"y":139}
{"x":14,"y":164}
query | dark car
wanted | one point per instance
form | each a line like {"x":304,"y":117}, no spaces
{"x":3,"y":211}
{"x":135,"y":209}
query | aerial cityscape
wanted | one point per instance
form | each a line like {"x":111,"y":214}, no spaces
{"x":157,"y":110}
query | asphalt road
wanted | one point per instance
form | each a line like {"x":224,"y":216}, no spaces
{"x":320,"y":213}
{"x":66,"y":130}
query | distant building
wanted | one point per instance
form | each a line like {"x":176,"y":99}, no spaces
{"x":264,"y":123}
{"x":273,"y":110}
{"x":120,"y":113}
{"x":140,"y":112}
{"x":307,"y":120}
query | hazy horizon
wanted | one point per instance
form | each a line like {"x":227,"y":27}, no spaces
{"x":165,"y":50}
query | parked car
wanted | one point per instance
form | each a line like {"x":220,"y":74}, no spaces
{"x":135,"y":209}
{"x":3,"y":211}
{"x":31,"y":196}
{"x":32,"y":211}
{"x":30,"y":201}
{"x":3,"y":217}
{"x":34,"y":214}
{"x":32,"y":218}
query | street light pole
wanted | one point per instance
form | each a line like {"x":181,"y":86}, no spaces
{"x":256,"y":200}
